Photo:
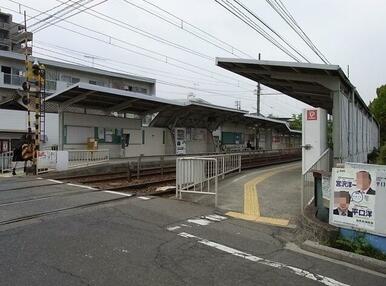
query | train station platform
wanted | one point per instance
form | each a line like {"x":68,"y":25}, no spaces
{"x":268,"y":195}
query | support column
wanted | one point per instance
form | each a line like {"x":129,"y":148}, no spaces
{"x":336,"y":127}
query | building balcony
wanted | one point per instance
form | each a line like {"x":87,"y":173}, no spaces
{"x":5,"y":26}
{"x":13,"y":81}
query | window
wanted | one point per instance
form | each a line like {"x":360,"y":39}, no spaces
{"x":143,"y":136}
{"x":69,"y":79}
{"x":163,"y":136}
{"x":232,"y":138}
{"x":96,"y":82}
{"x":139,"y":89}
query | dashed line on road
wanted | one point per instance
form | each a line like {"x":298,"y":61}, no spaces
{"x":55,"y":181}
{"x":295,"y":270}
{"x":144,"y":198}
{"x":119,"y":193}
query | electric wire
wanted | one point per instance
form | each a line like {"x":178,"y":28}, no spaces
{"x":243,"y":17}
{"x":283,"y":12}
{"x":183,"y":24}
{"x":167,"y":59}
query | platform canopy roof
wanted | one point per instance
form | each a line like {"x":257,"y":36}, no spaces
{"x":203,"y":115}
{"x":307,"y":82}
{"x":193,"y":114}
{"x":109,"y":99}
{"x":169,"y":113}
{"x":266,"y":122}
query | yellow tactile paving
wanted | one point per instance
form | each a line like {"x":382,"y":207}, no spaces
{"x":251,"y":201}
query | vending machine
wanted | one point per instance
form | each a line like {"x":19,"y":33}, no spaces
{"x":180,"y":135}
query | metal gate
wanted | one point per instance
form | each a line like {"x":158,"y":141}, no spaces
{"x":6,"y":161}
{"x":200,"y":174}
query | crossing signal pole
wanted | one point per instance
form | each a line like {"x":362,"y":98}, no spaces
{"x":33,"y":98}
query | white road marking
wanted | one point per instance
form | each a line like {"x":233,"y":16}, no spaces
{"x":38,"y":178}
{"x":79,"y":186}
{"x":239,"y":178}
{"x":300,"y":272}
{"x":119,"y":193}
{"x":171,"y":228}
{"x":215,"y":217}
{"x":199,"y":221}
{"x":144,"y":198}
{"x":55,"y":181}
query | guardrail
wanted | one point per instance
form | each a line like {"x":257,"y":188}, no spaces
{"x":199,"y":175}
{"x":323,"y":163}
{"x":81,"y":158}
{"x":6,"y":161}
{"x":248,"y":158}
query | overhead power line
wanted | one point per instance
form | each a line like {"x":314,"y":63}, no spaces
{"x":49,"y":24}
{"x":283,"y":12}
{"x":195,"y":88}
{"x":125,"y":72}
{"x":129,"y":27}
{"x":190,"y":28}
{"x":251,"y":23}
{"x":166,"y":59}
{"x":57,"y":13}
{"x":142,"y":69}
{"x":271,"y":29}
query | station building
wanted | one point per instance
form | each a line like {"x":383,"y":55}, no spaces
{"x":122,"y":114}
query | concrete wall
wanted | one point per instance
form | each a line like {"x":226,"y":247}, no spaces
{"x":92,"y":121}
{"x":153,"y":143}
{"x":199,"y":141}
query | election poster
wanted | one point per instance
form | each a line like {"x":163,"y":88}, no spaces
{"x":353,"y":197}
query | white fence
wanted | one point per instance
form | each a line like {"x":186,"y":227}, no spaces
{"x":81,"y":158}
{"x":200,"y":174}
{"x":6,"y":161}
{"x":322,"y":164}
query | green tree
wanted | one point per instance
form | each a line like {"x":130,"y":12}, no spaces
{"x":378,"y":108}
{"x":296,"y":121}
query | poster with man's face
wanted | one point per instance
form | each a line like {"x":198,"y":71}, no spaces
{"x":353,"y":198}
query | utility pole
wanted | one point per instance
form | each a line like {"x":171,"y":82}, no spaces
{"x":258,"y":95}
{"x":238,"y":104}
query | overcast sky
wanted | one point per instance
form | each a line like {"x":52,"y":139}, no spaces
{"x":347,"y":32}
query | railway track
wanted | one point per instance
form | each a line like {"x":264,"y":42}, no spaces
{"x":247,"y":162}
{"x":59,"y":210}
{"x":132,"y":190}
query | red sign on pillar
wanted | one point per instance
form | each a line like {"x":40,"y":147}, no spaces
{"x":312,"y":114}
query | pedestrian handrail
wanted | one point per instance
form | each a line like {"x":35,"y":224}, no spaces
{"x":6,"y":161}
{"x":80,"y":158}
{"x":323,"y":163}
{"x":200,"y":174}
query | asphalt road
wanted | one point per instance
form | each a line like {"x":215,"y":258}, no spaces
{"x":156,"y":241}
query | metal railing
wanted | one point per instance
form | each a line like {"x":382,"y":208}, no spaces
{"x":196,"y":175}
{"x":81,"y":158}
{"x":6,"y":161}
{"x":323,"y":163}
{"x":200,"y":174}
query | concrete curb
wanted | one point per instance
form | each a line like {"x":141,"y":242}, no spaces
{"x":349,"y":257}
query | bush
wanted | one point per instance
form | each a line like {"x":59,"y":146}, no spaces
{"x":382,"y":155}
{"x":358,"y":245}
